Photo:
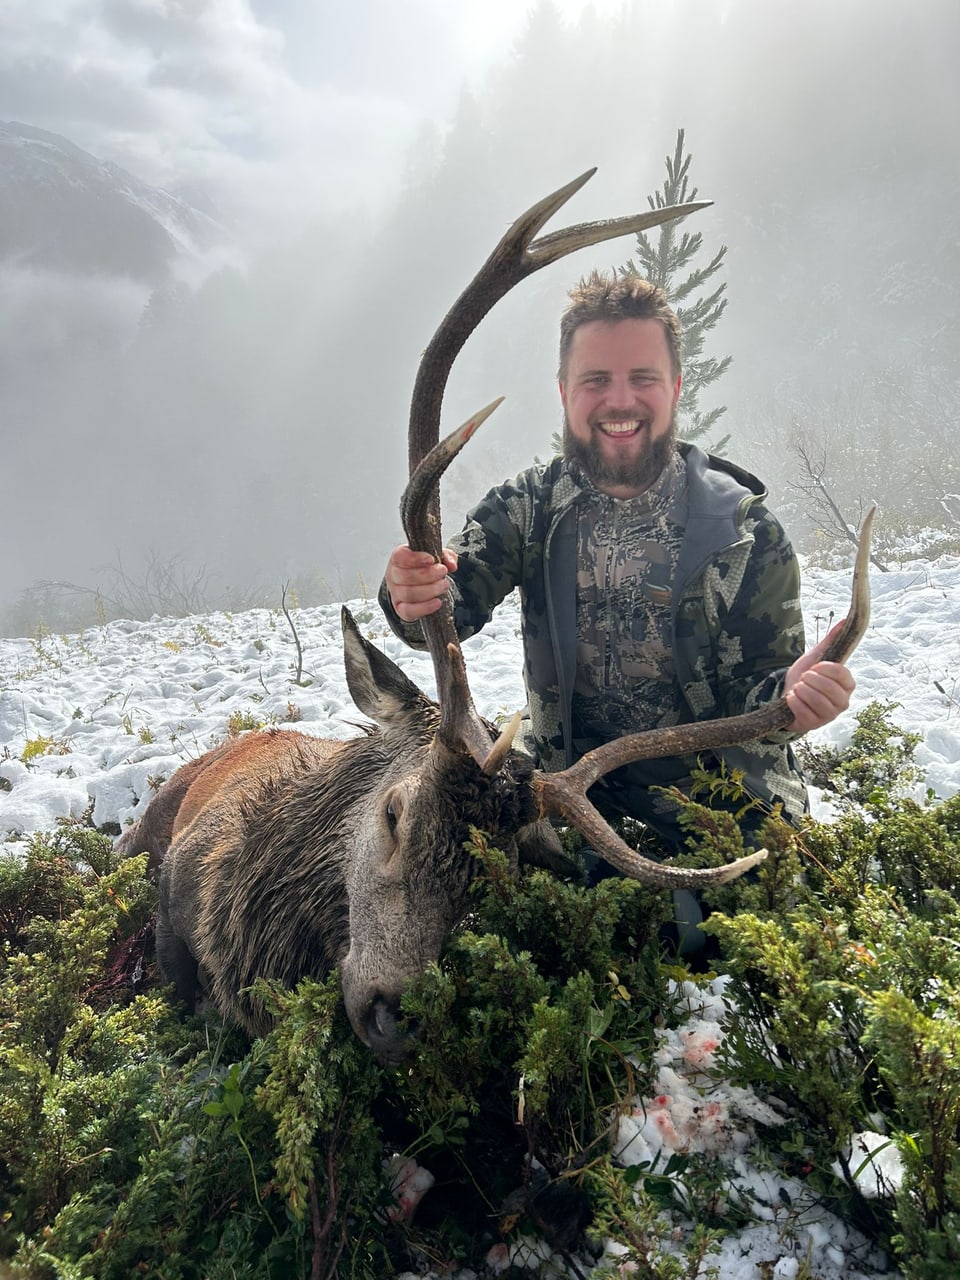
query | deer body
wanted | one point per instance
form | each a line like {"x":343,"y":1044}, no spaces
{"x":214,"y":912}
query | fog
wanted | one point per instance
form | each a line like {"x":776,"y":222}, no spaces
{"x":243,"y":416}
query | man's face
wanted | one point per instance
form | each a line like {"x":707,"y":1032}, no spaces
{"x":619,"y":397}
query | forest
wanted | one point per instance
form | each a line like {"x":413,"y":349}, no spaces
{"x":198,"y":442}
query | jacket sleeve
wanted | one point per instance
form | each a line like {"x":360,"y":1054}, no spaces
{"x":489,"y":548}
{"x":760,"y":634}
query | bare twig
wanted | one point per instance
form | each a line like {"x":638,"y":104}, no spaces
{"x":167,"y":588}
{"x":812,"y":484}
{"x":298,"y":678}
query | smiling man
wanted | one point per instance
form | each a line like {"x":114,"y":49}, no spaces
{"x":619,"y":386}
{"x":657,"y":588}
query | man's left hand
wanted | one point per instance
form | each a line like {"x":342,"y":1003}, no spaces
{"x":817,"y":691}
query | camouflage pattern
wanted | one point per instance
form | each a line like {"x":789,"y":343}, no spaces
{"x":627,"y":559}
{"x":725,"y":621}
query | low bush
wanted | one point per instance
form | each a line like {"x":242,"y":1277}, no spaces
{"x":132,"y":1143}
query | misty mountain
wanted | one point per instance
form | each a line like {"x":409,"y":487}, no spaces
{"x":243,"y":415}
{"x":62,"y":209}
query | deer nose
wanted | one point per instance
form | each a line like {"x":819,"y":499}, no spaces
{"x":387,"y":1040}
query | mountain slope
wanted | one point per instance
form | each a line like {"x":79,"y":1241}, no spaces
{"x":63,"y":209}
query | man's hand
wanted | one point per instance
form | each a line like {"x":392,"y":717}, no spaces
{"x":817,"y":691}
{"x":416,"y":581}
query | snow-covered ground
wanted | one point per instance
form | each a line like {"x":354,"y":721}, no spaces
{"x":131,"y":701}
{"x":94,"y":721}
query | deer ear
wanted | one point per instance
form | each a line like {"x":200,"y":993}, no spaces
{"x":377,"y":685}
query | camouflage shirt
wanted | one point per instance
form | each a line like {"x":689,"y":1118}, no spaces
{"x":627,"y":556}
{"x":717,"y":587}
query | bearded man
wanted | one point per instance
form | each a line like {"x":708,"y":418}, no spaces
{"x":656,"y":586}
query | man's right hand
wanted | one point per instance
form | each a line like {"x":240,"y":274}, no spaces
{"x":417,"y":582}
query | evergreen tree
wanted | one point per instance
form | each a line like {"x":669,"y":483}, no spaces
{"x":663,"y":259}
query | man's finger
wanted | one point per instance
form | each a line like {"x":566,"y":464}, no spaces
{"x":413,"y":612}
{"x":417,"y":591}
{"x":406,"y":558}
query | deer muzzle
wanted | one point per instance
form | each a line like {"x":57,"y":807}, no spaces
{"x":389,"y":1037}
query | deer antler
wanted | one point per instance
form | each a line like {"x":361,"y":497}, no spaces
{"x":565,"y":793}
{"x":516,"y":256}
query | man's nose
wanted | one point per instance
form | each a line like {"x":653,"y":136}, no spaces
{"x":620,"y":394}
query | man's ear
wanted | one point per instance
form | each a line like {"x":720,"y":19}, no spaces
{"x":676,"y":389}
{"x":563,"y":392}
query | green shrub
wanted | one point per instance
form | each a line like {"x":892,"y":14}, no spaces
{"x":847,"y":996}
{"x":878,"y":760}
{"x":134,"y":1144}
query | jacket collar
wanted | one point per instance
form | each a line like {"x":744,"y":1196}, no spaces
{"x":715,"y":482}
{"x":719,"y":495}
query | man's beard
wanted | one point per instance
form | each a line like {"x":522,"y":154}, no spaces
{"x":636,"y":473}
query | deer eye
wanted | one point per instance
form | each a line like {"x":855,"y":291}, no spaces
{"x":392,"y":813}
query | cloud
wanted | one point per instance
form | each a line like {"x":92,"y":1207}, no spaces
{"x":210,"y":94}
{"x":270,"y":107}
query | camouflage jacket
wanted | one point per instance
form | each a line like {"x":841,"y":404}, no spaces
{"x":736,"y":621}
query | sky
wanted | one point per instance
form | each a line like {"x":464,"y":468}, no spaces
{"x":129,"y":702}
{"x":827,"y":143}
{"x":258,"y":103}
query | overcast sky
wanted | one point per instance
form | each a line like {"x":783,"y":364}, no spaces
{"x":825,"y":133}
{"x":257,"y":102}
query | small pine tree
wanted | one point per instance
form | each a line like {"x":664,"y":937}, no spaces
{"x":663,"y":260}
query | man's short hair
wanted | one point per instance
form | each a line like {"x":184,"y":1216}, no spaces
{"x":612,"y":298}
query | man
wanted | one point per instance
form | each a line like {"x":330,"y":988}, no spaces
{"x":656,"y":586}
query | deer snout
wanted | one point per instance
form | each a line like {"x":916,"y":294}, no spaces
{"x":382,"y":1032}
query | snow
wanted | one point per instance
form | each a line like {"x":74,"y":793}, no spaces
{"x":409,"y":1183}
{"x":689,"y":1110}
{"x":120,"y":707}
{"x":875,"y":1163}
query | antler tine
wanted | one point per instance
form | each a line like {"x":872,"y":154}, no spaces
{"x":855,"y":624}
{"x":559,"y":243}
{"x":576,"y":809}
{"x":419,"y":522}
{"x":564,"y":793}
{"x":515,"y":257}
{"x":460,"y":725}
